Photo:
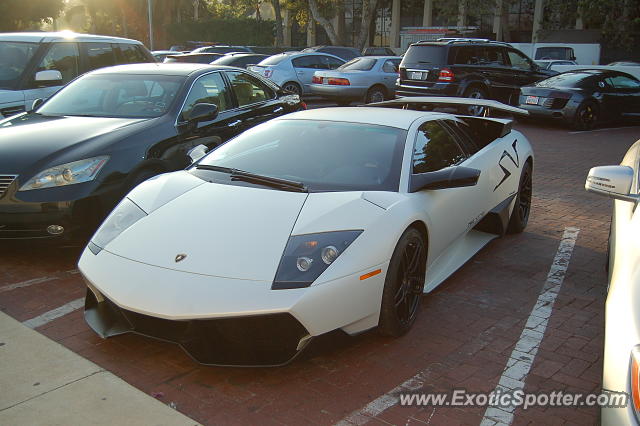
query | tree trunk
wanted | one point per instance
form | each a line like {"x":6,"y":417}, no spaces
{"x":504,"y":17}
{"x":196,"y":9}
{"x":324,"y":22}
{"x":278,"y":15}
{"x":369,"y":8}
{"x":342,"y":24}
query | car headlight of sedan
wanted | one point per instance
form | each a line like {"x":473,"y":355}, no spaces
{"x":307,"y":256}
{"x":67,"y":174}
{"x":123,"y":216}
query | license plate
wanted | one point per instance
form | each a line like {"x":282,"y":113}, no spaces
{"x":415,"y":75}
{"x":532,"y":100}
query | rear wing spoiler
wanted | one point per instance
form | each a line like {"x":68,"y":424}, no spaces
{"x":428,"y":103}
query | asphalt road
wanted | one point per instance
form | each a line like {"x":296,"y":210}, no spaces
{"x":465,"y":336}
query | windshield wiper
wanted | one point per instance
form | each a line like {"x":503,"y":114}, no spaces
{"x":273,"y":182}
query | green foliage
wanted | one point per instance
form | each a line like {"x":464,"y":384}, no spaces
{"x":245,"y":31}
{"x":20,"y":15}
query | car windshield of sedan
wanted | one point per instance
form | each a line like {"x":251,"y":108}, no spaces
{"x":14,"y":58}
{"x":115,"y":95}
{"x":567,"y":79}
{"x":323,"y":155}
{"x":358,"y":64}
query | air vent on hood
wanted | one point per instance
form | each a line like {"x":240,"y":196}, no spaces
{"x":5,"y":182}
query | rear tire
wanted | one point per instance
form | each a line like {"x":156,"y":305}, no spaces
{"x":292,"y":87}
{"x":375,"y":94}
{"x":520,"y":214}
{"x":474,"y":92}
{"x":586,"y":117}
{"x":403,"y":285}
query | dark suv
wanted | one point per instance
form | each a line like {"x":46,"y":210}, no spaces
{"x":473,"y":68}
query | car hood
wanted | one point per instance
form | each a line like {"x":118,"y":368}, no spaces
{"x":31,"y":140}
{"x":223,"y":230}
{"x":11,"y":96}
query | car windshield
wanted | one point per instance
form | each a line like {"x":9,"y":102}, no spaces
{"x":358,"y":64}
{"x":115,"y":95}
{"x":273,"y":60}
{"x":567,"y":79}
{"x":14,"y":58}
{"x":323,"y":155}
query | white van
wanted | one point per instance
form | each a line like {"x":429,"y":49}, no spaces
{"x":36,"y":65}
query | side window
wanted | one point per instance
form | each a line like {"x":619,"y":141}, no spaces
{"x":468,"y":55}
{"x":462,"y":132}
{"x":131,"y":54}
{"x":248,"y":89}
{"x":518,"y":60}
{"x":209,"y":89}
{"x":100,"y":55}
{"x":622,"y":82}
{"x":331,"y":63}
{"x":62,"y":57}
{"x":435,"y":149}
{"x":305,"y":62}
{"x":391,"y":65}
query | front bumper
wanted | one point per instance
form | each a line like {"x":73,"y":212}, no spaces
{"x":338,"y":92}
{"x":223,"y":321}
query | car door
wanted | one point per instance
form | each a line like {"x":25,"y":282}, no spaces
{"x":304,"y":67}
{"x":63,"y":57}
{"x":97,"y":55}
{"x":255,"y":101}
{"x":452,"y":211}
{"x":627,"y":94}
{"x":389,"y":73}
{"x":209,"y":88}
{"x":523,"y":68}
{"x":492,"y":64}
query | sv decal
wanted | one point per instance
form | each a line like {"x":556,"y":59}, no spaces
{"x":516,"y":162}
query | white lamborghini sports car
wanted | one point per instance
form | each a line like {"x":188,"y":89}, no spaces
{"x":335,"y":218}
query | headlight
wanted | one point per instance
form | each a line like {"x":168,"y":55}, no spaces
{"x":123,"y":216}
{"x":67,"y":174}
{"x":308,"y":256}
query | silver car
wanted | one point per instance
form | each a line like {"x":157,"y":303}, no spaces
{"x":293,"y":71}
{"x":370,"y":78}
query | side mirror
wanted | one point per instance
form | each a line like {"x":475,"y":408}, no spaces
{"x":202,"y":112}
{"x":197,"y":152}
{"x":36,"y":104}
{"x":611,"y":181}
{"x":451,"y":177}
{"x":48,"y":78}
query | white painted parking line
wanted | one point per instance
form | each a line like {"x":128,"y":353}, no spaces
{"x":53,"y":314}
{"x":27,"y":283}
{"x":519,"y":363}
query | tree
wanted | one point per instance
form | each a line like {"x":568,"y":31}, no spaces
{"x":278,"y":16}
{"x":18,"y":15}
{"x":323,"y":21}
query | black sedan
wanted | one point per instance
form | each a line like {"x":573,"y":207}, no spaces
{"x":584,"y":98}
{"x":64,"y":166}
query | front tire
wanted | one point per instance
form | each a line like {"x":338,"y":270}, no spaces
{"x":404,"y":284}
{"x":520,"y":214}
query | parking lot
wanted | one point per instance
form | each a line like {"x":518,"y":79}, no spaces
{"x":464,"y":336}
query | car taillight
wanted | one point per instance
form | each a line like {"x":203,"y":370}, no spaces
{"x":303,"y":105}
{"x":445,"y":75}
{"x":635,"y":378}
{"x":338,"y":81}
{"x":316,"y":80}
{"x":268,"y":73}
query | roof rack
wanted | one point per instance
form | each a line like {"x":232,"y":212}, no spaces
{"x":451,"y":40}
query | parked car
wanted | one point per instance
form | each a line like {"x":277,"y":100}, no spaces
{"x":293,"y":71}
{"x":624,"y":64}
{"x":468,"y":68}
{"x":371,"y":78}
{"x":547,"y":64}
{"x":346,"y":53}
{"x":621,"y":363}
{"x":378,"y":51}
{"x":583,"y":98}
{"x":241,"y":60}
{"x":194,"y":58}
{"x":317,"y":221}
{"x":36,"y":65}
{"x":219,"y":48}
{"x":64,"y":166}
{"x":159,"y":55}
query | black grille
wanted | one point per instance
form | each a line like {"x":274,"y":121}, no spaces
{"x":261,"y":340}
{"x":5,"y":182}
{"x":555,"y":103}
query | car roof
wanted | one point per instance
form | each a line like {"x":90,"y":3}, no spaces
{"x":380,"y":57}
{"x":174,"y":68}
{"x":42,"y":37}
{"x":296,"y":54}
{"x":390,"y":117}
